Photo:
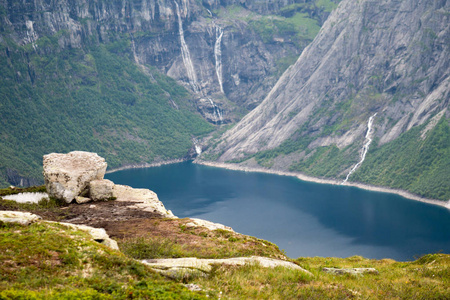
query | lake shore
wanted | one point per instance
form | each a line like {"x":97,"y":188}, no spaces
{"x":304,"y":177}
{"x":145,"y":165}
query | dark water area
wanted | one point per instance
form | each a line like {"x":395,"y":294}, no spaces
{"x":303,"y":218}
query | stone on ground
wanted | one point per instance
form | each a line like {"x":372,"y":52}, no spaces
{"x":352,"y":271}
{"x":18,"y":217}
{"x":101,"y":189}
{"x":68,"y":175}
{"x":97,"y":234}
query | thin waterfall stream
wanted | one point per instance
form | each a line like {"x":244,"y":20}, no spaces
{"x":186,"y":54}
{"x":218,"y":56}
{"x":365,"y":147}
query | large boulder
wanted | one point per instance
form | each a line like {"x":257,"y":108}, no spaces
{"x":68,"y":175}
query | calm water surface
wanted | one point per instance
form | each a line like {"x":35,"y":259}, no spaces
{"x":303,"y":218}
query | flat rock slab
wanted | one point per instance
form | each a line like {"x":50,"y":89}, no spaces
{"x":97,"y":234}
{"x":18,"y":217}
{"x":143,"y":199}
{"x":174,"y":267}
{"x":207,"y":224}
{"x":352,"y":271}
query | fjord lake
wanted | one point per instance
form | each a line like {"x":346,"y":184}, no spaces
{"x":303,"y":218}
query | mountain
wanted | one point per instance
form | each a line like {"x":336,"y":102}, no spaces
{"x":136,"y":81}
{"x":378,"y":65}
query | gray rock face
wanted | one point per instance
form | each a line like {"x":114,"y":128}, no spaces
{"x":68,"y":175}
{"x":250,"y":63}
{"x":390,"y":57}
{"x":101,"y":189}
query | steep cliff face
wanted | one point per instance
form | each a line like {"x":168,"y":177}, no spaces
{"x":385,"y":57}
{"x":224,"y":52}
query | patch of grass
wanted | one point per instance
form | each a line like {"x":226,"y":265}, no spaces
{"x":426,"y":278}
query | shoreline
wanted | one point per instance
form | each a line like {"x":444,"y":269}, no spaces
{"x":304,"y":177}
{"x":146,"y":165}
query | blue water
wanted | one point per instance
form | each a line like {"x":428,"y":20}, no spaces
{"x":303,"y":218}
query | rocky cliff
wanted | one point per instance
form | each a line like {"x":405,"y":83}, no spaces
{"x":226,"y":53}
{"x":383,"y":59}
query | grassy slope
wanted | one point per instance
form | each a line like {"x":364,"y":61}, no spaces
{"x":93,"y":99}
{"x":49,"y":261}
{"x":45,"y":261}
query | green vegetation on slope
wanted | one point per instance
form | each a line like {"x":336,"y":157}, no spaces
{"x":421,"y":166}
{"x":93,"y":99}
{"x":50,"y":261}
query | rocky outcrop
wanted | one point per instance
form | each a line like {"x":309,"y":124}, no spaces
{"x":18,"y":217}
{"x":97,"y":234}
{"x":207,"y":224}
{"x":191,"y":266}
{"x":142,"y":199}
{"x":26,"y":218}
{"x":79,"y":175}
{"x":68,"y":175}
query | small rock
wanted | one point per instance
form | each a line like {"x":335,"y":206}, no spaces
{"x":101,"y":189}
{"x":18,"y":217}
{"x":352,"y":271}
{"x":81,"y":200}
{"x":207,"y":224}
{"x":193,"y":287}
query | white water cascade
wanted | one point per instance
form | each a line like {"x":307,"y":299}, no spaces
{"x":217,"y":113}
{"x":218,"y":56}
{"x":186,"y":54}
{"x":365,"y":147}
{"x":197,"y":147}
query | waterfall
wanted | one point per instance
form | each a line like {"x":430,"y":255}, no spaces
{"x":197,"y":147}
{"x":365,"y":147}
{"x":218,"y":56}
{"x":186,"y":54}
{"x":217,"y":112}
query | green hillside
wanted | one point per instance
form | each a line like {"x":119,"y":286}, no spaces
{"x":92,"y":99}
{"x":420,"y":165}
